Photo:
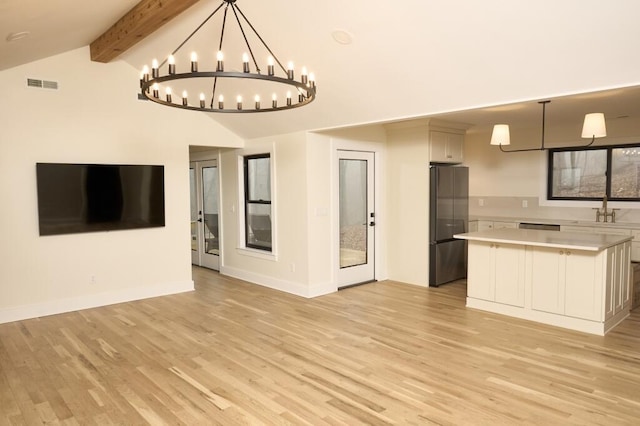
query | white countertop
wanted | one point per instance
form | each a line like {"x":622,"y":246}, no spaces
{"x":625,"y":225}
{"x":532,"y":237}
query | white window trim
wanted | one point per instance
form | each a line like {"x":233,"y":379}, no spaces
{"x":241,"y":248}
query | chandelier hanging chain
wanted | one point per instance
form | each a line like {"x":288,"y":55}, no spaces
{"x":305,"y":87}
{"x":186,"y":40}
{"x":224,"y":24}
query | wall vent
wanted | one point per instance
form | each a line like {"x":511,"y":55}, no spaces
{"x":42,"y":84}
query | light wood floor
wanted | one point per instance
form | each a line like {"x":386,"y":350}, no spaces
{"x":383,"y":353}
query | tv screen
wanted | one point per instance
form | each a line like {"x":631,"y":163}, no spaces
{"x":75,"y":198}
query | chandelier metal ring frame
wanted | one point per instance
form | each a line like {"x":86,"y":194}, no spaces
{"x":305,"y":88}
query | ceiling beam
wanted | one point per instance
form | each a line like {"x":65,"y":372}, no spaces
{"x":142,"y":20}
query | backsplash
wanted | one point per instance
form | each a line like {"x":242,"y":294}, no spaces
{"x":512,"y":207}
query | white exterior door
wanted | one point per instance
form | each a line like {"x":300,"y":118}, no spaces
{"x":205,"y":235}
{"x":356,"y":217}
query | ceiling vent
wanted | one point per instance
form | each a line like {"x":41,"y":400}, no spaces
{"x":42,"y":84}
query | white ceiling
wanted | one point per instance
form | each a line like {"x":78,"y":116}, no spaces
{"x":455,"y":59}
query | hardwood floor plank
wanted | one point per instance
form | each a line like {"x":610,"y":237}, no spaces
{"x":382,"y":353}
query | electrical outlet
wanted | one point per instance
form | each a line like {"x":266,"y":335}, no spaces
{"x":525,"y":204}
{"x":292,"y":267}
{"x":93,"y":279}
{"x":480,"y":202}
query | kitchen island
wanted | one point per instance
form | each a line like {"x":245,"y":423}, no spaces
{"x":572,"y":280}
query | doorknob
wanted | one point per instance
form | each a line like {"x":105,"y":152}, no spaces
{"x":372,"y":223}
{"x":200,"y":220}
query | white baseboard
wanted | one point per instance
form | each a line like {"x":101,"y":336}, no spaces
{"x":61,"y":306}
{"x":278,"y":284}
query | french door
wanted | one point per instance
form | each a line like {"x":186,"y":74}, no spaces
{"x":356,"y":218}
{"x":205,"y":235}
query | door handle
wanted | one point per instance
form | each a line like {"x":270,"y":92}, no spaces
{"x":200,"y":220}
{"x":372,"y":223}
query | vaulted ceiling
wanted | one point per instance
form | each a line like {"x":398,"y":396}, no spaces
{"x":455,"y":59}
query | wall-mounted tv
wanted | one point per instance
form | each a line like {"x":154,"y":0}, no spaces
{"x":74,"y":198}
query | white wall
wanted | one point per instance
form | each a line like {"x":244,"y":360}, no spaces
{"x":503,"y":180}
{"x":408,"y":205}
{"x":286,"y":268}
{"x":94,"y":117}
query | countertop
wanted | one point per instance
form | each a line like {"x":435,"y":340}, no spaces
{"x":532,"y":237}
{"x":624,"y":225}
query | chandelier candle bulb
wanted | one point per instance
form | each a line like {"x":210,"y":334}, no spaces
{"x":245,"y":62}
{"x":220,"y":59}
{"x":172,"y":64}
{"x":145,"y":73}
{"x":194,"y":62}
{"x":270,"y":66}
{"x":274,"y":101}
{"x":300,"y":97}
{"x":168,"y":92}
{"x":257,"y":101}
{"x":184,"y":97}
{"x":288,"y":98}
{"x":303,"y":77}
{"x":155,"y":73}
{"x":312,"y":79}
{"x":220,"y":102}
{"x":201,"y":100}
{"x":156,"y":88}
{"x":290,"y":75}
{"x":239,"y":100}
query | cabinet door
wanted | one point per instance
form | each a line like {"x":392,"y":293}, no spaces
{"x":455,"y":147}
{"x":438,"y":147}
{"x":509,"y":274}
{"x":480,"y":273}
{"x":584,"y":278}
{"x":626,"y":274}
{"x":610,"y":277}
{"x":621,"y":279}
{"x":547,"y":280}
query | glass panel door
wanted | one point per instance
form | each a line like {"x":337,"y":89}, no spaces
{"x":193,"y":190}
{"x":356,"y":217}
{"x":205,"y":245}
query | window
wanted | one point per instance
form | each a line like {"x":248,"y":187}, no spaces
{"x":257,"y":198}
{"x":592,"y":173}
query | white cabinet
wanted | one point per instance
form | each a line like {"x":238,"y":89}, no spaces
{"x":446,"y":147}
{"x":635,"y":245}
{"x":496,"y":273}
{"x":581,"y":289}
{"x":567,"y":282}
{"x":484,"y":225}
{"x":618,"y":296}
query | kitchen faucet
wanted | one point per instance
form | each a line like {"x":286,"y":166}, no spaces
{"x":604,"y":212}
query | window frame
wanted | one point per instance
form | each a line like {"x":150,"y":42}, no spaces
{"x":248,"y":202}
{"x":609,"y":161}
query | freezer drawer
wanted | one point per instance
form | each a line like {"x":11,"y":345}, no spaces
{"x":448,"y":262}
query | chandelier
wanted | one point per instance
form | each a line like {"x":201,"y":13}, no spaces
{"x":284,"y":91}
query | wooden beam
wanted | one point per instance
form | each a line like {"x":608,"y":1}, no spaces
{"x":142,"y":20}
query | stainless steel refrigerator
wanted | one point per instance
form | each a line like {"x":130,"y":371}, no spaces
{"x":448,"y":215}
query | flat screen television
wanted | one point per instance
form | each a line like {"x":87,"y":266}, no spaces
{"x":74,"y":198}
